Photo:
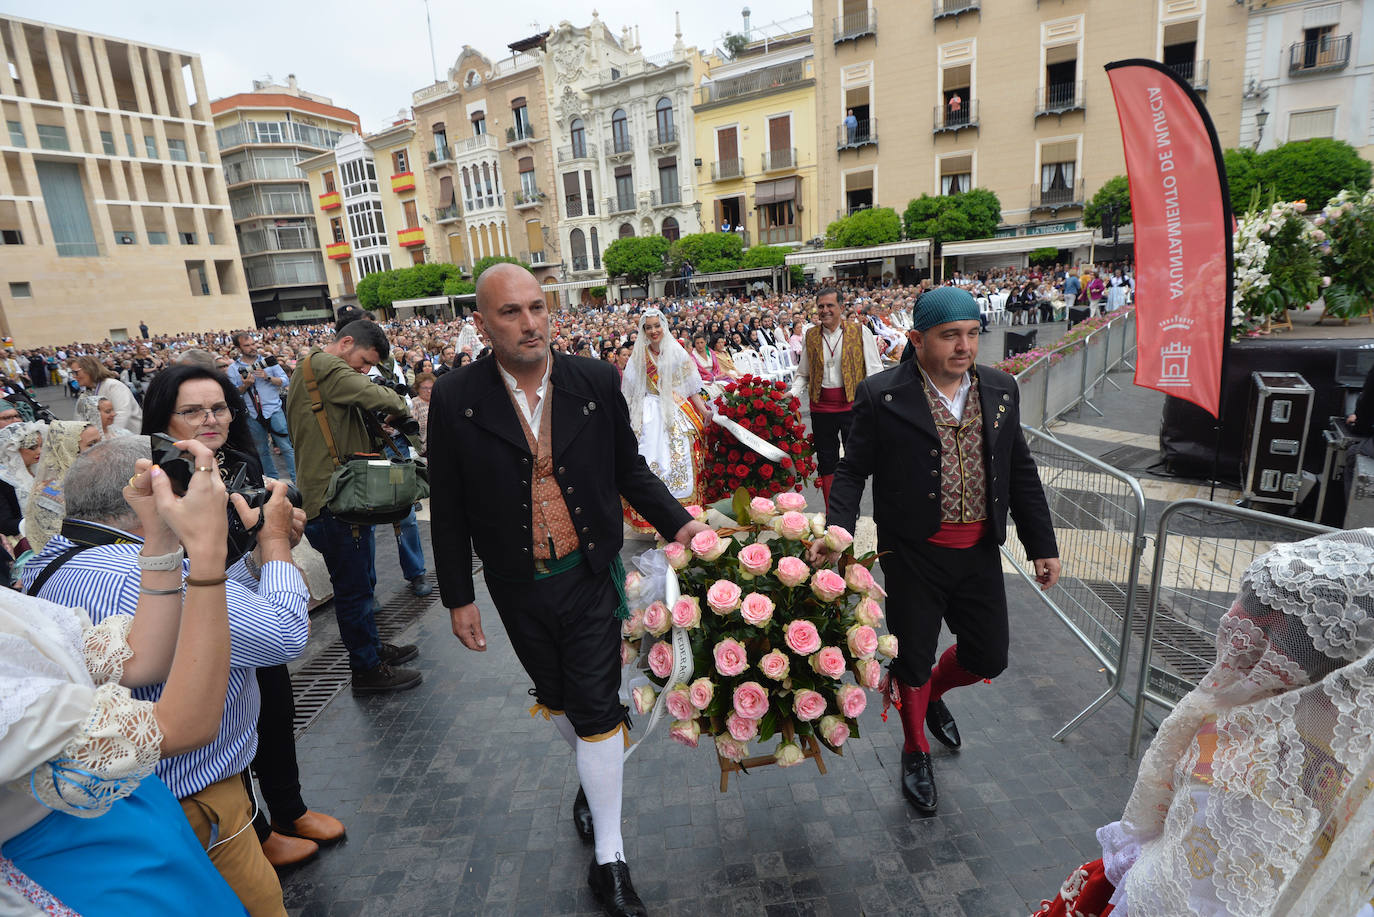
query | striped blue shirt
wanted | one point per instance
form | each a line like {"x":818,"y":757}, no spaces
{"x":268,"y":625}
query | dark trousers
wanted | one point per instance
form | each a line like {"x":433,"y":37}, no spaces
{"x":279,"y":778}
{"x":830,"y":431}
{"x":963,"y":587}
{"x":349,"y":554}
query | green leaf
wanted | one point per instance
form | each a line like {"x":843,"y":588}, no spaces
{"x":740,"y":505}
{"x":767,"y":726}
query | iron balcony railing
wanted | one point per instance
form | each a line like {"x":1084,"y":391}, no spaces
{"x":862,"y":133}
{"x":572,"y":207}
{"x":451,"y":212}
{"x":585,"y":150}
{"x":665,"y":136}
{"x":725,"y":169}
{"x":778,"y":234}
{"x":620,"y":144}
{"x":619,"y":204}
{"x":1330,"y":52}
{"x":1057,"y":197}
{"x":1192,"y":72}
{"x":779,"y":159}
{"x":660,"y":197}
{"x":779,"y":76}
{"x":534,"y":259}
{"x":520,"y":133}
{"x":942,"y":8}
{"x":956,"y":119}
{"x":1059,"y":98}
{"x":528,"y":198}
{"x":579,"y":263}
{"x":853,"y":26}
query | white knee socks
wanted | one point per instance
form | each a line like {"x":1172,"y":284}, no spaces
{"x":565,"y":729}
{"x":601,"y":767}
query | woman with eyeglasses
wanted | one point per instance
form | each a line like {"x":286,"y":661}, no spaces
{"x":93,"y":376}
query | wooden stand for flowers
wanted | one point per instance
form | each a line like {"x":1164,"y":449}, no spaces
{"x":809,"y":746}
{"x":1281,"y":322}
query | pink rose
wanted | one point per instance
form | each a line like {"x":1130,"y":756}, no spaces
{"x":633,"y":584}
{"x":634,"y":625}
{"x":723,"y":597}
{"x":876,"y":592}
{"x":818,"y":524}
{"x":685,"y":731}
{"x":802,"y":637}
{"x":858,"y":579}
{"x":868,"y":612}
{"x":852,"y":700}
{"x":837,"y":539}
{"x":869,"y":672}
{"x":834,"y":730}
{"x":793,"y":526}
{"x":700,"y":693}
{"x":741,"y":728}
{"x":628,"y":652}
{"x":661,"y":659}
{"x":792,"y":571}
{"x":829,"y":661}
{"x":643,"y":697}
{"x":751,"y":700}
{"x":679,"y":704}
{"x":656,"y":619}
{"x":789,"y":754}
{"x":887,"y":646}
{"x":708,"y":545}
{"x":676,"y":555}
{"x":775,"y":665}
{"x":756,"y":559}
{"x":807,"y":705}
{"x":827,"y":585}
{"x":790,"y":502}
{"x":761,"y":509}
{"x":756,"y":609}
{"x":862,"y":640}
{"x":730,"y":749}
{"x":687,"y":612}
{"x":731,"y":659}
{"x":696,"y":512}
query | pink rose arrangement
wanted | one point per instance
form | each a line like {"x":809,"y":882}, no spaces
{"x":686,"y":612}
{"x":656,"y":619}
{"x":761,"y":509}
{"x":793,"y":571}
{"x":757,"y":609}
{"x":731,"y":657}
{"x":723,"y":597}
{"x":756,"y":559}
{"x":676,"y":555}
{"x":679,"y":704}
{"x":700,"y":693}
{"x":789,"y":502}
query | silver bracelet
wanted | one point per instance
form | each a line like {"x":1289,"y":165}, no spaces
{"x":146,"y":591}
{"x":161,"y":562}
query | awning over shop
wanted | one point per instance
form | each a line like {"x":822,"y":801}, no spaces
{"x":776,"y":191}
{"x":867,"y":253}
{"x":1014,"y":245}
{"x":420,"y":303}
{"x":754,"y":273}
{"x":574,"y":285}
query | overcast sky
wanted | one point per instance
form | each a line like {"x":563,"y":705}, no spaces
{"x":370,"y":56}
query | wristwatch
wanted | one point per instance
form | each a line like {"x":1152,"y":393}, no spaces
{"x":161,"y":562}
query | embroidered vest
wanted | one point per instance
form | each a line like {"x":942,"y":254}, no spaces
{"x":963,"y":475}
{"x":549,"y":512}
{"x":852,"y":369}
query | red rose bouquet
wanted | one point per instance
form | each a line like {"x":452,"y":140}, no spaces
{"x":768,"y":410}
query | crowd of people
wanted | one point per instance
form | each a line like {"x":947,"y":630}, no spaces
{"x":1034,"y":295}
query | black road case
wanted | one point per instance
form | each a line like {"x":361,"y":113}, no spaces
{"x":1275,"y":437}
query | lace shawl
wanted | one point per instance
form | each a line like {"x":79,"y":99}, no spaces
{"x":678,"y":378}
{"x":45,"y":508}
{"x":1257,"y":795}
{"x":13,"y":471}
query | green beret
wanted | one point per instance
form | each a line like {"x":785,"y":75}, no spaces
{"x":944,"y":304}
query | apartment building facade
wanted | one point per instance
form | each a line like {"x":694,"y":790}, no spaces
{"x":372,"y":207}
{"x":263,"y":136}
{"x":113,"y":207}
{"x":942,"y":96}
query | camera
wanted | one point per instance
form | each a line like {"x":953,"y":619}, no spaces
{"x":179,"y":466}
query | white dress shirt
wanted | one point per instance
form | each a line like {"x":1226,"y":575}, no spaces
{"x":956,"y":404}
{"x":533,"y":416}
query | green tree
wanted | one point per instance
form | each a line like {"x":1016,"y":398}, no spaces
{"x":734,"y":44}
{"x":380,"y":289}
{"x":1304,"y":170}
{"x":459,"y":287}
{"x":636,"y":257}
{"x":1241,"y":178}
{"x":483,"y":263}
{"x":773,"y":256}
{"x":872,"y":226}
{"x":952,"y":217}
{"x":707,"y":252}
{"x":1044,"y":257}
{"x":1113,"y":191}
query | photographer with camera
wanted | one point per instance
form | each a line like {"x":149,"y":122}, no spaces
{"x":262,"y":383}
{"x":328,"y":409}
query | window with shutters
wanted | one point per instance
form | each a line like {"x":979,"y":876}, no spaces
{"x":346,"y":272}
{"x":578,"y":243}
{"x":596,"y":250}
{"x":624,"y":190}
{"x":620,"y":131}
{"x":728,"y":164}
{"x":328,"y":181}
{"x":412,"y":215}
{"x":663,"y":121}
{"x":528,"y":189}
{"x":336,"y":229}
{"x":1309,"y":125}
{"x":669,"y":192}
{"x":400,"y":162}
{"x":780,"y":153}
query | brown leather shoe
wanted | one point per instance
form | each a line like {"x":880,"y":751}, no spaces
{"x":314,"y":826}
{"x":282,"y":851}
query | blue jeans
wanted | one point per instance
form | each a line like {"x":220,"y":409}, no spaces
{"x":408,"y":545}
{"x":348,"y":553}
{"x":275,"y":429}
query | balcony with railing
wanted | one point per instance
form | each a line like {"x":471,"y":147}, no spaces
{"x":294,"y":205}
{"x":525,"y":199}
{"x":943,"y":8}
{"x":439,"y":156}
{"x":535,"y":259}
{"x":482,"y":143}
{"x":860,"y":134}
{"x":620,"y":203}
{"x":777,"y":235}
{"x":448,"y":214}
{"x":663,"y":138}
{"x":1057,"y":197}
{"x":519,"y":135}
{"x":485,"y":202}
{"x":780,"y":76}
{"x":620,"y":147}
{"x":773,"y":160}
{"x":1059,"y":99}
{"x":1330,"y":52}
{"x":572,"y":207}
{"x":284,"y":273}
{"x":665,"y":197}
{"x":338,"y":251}
{"x":1192,"y":72}
{"x":956,"y":119}
{"x":580,"y":263}
{"x":279,"y":239}
{"x":853,"y":26}
{"x":402,"y":181}
{"x":727,"y":169}
{"x":573,"y":152}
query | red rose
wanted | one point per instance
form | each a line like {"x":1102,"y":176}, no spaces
{"x":741,"y":471}
{"x":784,"y":462}
{"x":750,"y":458}
{"x":733,"y":456}
{"x":777,"y":432}
{"x":766,"y":471}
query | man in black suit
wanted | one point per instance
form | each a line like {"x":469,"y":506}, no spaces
{"x":942,"y":440}
{"x":530,"y":454}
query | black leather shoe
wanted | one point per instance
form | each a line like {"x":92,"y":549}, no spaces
{"x":918,"y":782}
{"x":940,"y":722}
{"x":396,"y":655}
{"x":384,"y":679}
{"x":582,"y":816}
{"x":614,"y":891}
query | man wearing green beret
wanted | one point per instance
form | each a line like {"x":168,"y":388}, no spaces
{"x":941,"y":438}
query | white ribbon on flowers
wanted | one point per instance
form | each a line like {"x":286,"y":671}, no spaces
{"x":749,"y":439}
{"x":682,"y":647}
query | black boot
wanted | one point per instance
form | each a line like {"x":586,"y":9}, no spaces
{"x":918,"y":782}
{"x":582,"y":816}
{"x":941,"y":724}
{"x":611,"y":885}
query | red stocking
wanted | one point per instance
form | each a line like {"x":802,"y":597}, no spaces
{"x":913,"y":713}
{"x":824,"y":482}
{"x":948,"y":673}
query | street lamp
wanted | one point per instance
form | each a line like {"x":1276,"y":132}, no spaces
{"x":1261,"y":117}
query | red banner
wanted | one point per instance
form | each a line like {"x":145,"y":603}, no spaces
{"x":1181,"y":215}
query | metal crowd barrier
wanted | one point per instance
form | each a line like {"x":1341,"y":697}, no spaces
{"x":1201,"y":552}
{"x":1070,"y":375}
{"x":1099,"y":521}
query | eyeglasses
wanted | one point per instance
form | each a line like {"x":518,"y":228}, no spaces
{"x":200,"y":415}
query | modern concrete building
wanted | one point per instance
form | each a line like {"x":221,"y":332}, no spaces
{"x":113,"y":208}
{"x":372,"y":210}
{"x":954,"y":94}
{"x":1309,"y":72}
{"x":263,"y":135}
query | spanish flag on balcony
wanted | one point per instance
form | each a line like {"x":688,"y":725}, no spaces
{"x":330,"y":200}
{"x":410,"y":237}
{"x":403,"y":181}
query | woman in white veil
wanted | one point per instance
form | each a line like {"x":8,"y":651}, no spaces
{"x":663,"y":390}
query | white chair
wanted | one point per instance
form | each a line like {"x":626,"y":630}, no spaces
{"x":997,"y":308}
